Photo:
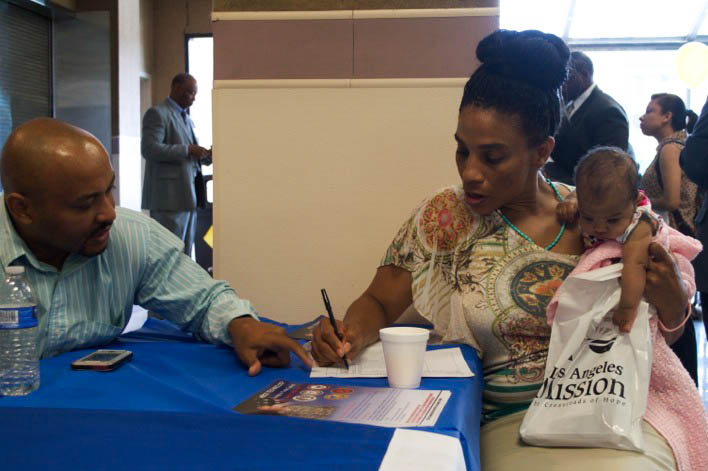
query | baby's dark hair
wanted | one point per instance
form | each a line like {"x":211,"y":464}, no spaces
{"x":603,"y":169}
{"x":521,"y":74}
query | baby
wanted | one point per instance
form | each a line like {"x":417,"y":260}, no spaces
{"x":610,"y":206}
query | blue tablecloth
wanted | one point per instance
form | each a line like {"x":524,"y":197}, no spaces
{"x":171,"y":408}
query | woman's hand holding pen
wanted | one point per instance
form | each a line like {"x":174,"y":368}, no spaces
{"x":333,"y":323}
{"x":381,"y":304}
{"x":328,"y":349}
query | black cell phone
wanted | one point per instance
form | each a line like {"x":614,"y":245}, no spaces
{"x":102,"y":360}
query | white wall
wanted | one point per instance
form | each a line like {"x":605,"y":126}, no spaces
{"x":131,"y":61}
{"x":312,"y":183}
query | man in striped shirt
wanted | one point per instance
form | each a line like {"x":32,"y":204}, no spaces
{"x":89,"y":262}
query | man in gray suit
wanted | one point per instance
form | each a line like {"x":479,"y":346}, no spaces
{"x":174,"y":188}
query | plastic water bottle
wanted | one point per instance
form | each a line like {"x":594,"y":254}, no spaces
{"x":19,"y":352}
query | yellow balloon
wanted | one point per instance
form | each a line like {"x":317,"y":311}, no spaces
{"x":692,"y":63}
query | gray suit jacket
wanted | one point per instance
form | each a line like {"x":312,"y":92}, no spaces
{"x":169,"y":172}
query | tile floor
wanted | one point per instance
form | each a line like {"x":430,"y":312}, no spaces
{"x":702,"y":362}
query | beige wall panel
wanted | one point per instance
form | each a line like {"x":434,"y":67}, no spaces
{"x":282,"y":49}
{"x":311,"y":186}
{"x":290,"y":48}
{"x":198,"y":14}
{"x":419,"y":47}
{"x":285,"y":5}
{"x":173,"y":19}
{"x":169,"y":46}
{"x":147,"y":38}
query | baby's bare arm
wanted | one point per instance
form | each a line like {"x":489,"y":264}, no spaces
{"x":635,"y":256}
{"x":567,"y":210}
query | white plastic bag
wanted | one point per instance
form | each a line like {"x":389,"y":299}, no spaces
{"x":594,"y":392}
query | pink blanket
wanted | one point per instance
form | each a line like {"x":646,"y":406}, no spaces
{"x":674,"y":407}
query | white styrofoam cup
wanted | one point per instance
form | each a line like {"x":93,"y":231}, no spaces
{"x":404,"y":352}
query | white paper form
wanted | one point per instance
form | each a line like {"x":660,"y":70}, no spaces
{"x":441,"y":363}
{"x":416,"y":450}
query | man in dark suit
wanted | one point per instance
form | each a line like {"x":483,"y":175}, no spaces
{"x":173,"y":187}
{"x":591,"y":118}
{"x":694,"y":161}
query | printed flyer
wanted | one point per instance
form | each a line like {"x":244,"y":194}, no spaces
{"x":385,"y":407}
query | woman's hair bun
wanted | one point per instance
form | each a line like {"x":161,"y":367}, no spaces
{"x":538,"y":58}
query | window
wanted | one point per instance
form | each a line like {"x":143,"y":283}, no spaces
{"x":633,"y":46}
{"x":200,"y":64}
{"x":631,"y":77}
{"x":633,"y":18}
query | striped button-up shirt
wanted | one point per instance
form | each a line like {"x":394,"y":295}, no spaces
{"x":89,"y":301}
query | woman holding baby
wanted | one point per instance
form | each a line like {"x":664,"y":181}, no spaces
{"x":481,"y":260}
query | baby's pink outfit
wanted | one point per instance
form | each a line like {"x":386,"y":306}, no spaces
{"x":674,"y":407}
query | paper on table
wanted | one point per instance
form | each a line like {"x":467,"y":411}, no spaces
{"x":441,"y":363}
{"x":415,"y":450}
{"x":384,"y":407}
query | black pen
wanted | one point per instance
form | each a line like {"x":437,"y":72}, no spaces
{"x":325,"y":298}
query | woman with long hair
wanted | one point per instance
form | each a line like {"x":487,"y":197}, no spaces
{"x":667,"y":186}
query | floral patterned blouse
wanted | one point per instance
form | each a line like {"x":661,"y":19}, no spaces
{"x":480,"y":283}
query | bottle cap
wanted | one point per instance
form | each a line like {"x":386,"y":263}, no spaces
{"x":14,"y":270}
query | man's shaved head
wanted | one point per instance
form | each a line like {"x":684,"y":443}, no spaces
{"x":43,"y":148}
{"x":58,"y":185}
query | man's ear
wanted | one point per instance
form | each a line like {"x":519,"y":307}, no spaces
{"x":543,"y":152}
{"x":19,"y":208}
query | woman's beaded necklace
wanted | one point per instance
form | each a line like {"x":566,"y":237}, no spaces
{"x":516,"y":229}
